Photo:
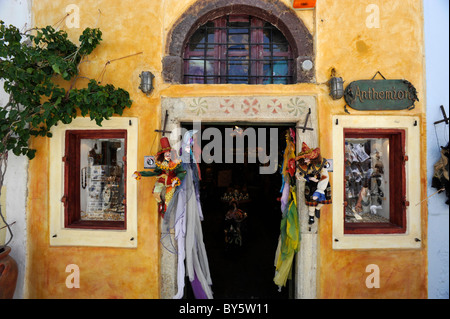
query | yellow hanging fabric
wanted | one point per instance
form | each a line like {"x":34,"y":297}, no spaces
{"x":289,"y":241}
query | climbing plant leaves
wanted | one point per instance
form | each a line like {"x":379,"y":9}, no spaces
{"x":32,"y":65}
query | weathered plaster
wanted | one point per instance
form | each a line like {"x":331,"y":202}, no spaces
{"x":341,"y":40}
{"x":396,"y":50}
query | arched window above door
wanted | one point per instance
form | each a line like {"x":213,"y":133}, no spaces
{"x":237,"y":41}
{"x":238,"y":49}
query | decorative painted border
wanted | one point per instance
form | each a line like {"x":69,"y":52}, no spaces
{"x":244,"y":107}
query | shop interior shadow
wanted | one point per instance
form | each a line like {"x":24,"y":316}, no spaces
{"x":242,"y":264}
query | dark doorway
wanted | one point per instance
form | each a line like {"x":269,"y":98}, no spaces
{"x":242,"y":263}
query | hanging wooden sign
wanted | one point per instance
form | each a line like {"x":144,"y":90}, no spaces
{"x":371,"y":95}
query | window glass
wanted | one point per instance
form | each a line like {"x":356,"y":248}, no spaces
{"x":375,"y":181}
{"x":201,"y":39}
{"x":238,"y":36}
{"x":278,"y":41}
{"x":94,"y":183}
{"x":102,"y":192}
{"x":274,"y":40}
{"x":196,"y":67}
{"x":367,"y":180}
{"x":238,"y":49}
{"x":238,"y":70}
{"x":276,"y":71}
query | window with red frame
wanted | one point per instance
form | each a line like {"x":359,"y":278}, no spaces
{"x":238,"y":49}
{"x":375,"y":182}
{"x":94,"y":179}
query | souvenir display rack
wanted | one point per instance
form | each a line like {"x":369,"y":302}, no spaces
{"x":365,"y":192}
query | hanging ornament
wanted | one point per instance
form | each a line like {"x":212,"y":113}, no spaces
{"x":169,"y":173}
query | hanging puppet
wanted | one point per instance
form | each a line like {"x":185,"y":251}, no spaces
{"x":169,"y":173}
{"x":311,"y":167}
{"x":440,"y":177}
{"x":183,"y":217}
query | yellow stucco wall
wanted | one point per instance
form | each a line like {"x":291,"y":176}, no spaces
{"x":342,"y":40}
{"x":357,"y":52}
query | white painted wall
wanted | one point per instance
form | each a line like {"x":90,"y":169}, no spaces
{"x":436,"y":14}
{"x":17,"y":13}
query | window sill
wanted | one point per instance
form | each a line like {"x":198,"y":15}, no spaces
{"x":373,"y":228}
{"x":87,"y":224}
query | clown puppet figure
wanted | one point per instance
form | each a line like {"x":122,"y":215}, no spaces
{"x":311,"y":168}
{"x":169,"y":174}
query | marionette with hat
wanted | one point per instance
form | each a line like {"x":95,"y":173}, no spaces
{"x":311,"y":168}
{"x":169,"y":173}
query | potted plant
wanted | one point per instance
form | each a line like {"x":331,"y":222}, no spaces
{"x":37,"y":66}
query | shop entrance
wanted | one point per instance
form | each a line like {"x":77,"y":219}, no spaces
{"x":242,"y":216}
